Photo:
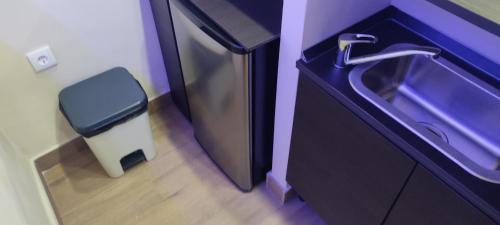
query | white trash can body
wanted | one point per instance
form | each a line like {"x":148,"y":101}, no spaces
{"x":112,"y":145}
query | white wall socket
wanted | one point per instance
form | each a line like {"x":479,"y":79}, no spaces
{"x":42,"y":58}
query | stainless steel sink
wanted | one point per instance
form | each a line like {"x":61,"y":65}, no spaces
{"x":443,"y":104}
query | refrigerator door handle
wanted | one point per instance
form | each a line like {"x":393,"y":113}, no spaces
{"x":209,"y":27}
{"x":224,"y":41}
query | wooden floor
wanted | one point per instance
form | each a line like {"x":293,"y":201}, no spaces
{"x":180,"y":186}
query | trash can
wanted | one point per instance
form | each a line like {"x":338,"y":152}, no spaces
{"x":110,"y":111}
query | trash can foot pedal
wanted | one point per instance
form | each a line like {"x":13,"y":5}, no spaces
{"x":132,"y":159}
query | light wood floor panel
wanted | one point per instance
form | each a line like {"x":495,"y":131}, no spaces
{"x":180,"y":186}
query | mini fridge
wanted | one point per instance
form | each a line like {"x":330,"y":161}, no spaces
{"x":231,"y":94}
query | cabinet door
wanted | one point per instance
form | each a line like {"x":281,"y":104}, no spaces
{"x":426,"y":200}
{"x":348,"y":172}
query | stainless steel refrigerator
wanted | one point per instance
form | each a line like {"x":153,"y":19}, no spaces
{"x":231,"y":94}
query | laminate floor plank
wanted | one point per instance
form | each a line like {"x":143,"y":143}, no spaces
{"x":181,"y":186}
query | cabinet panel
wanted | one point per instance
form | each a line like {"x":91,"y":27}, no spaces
{"x":341,"y":166}
{"x":426,"y":200}
{"x":165,"y":30}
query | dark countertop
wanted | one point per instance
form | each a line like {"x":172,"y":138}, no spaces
{"x":250,"y":22}
{"x":393,"y":26}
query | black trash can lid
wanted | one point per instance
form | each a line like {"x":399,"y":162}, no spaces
{"x":99,"y":102}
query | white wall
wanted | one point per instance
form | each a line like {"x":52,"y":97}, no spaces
{"x":292,"y":29}
{"x":327,"y":17}
{"x":475,"y":38}
{"x":10,"y":207}
{"x":22,"y":198}
{"x":87,"y":37}
{"x":305,"y":23}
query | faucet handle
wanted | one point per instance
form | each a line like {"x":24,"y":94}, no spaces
{"x":347,"y":39}
{"x":345,"y":42}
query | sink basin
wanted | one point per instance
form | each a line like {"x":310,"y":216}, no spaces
{"x":446,"y":106}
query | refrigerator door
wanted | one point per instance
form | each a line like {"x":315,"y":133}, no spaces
{"x":216,"y":75}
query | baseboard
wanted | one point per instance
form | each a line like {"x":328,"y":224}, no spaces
{"x":57,"y":155}
{"x":55,"y":212}
{"x":282,"y":194}
{"x":160,"y":102}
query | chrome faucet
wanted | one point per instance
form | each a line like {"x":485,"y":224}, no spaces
{"x":346,"y":41}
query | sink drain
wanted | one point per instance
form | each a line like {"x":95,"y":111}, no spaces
{"x":434,"y":130}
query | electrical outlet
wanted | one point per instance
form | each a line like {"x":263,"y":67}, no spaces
{"x":42,"y":58}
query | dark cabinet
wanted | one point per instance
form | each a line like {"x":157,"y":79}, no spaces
{"x":349,"y":173}
{"x":352,"y":175}
{"x":165,"y":30}
{"x":426,"y":200}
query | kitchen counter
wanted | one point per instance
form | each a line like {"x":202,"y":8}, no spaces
{"x":251,"y":23}
{"x":393,"y":26}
